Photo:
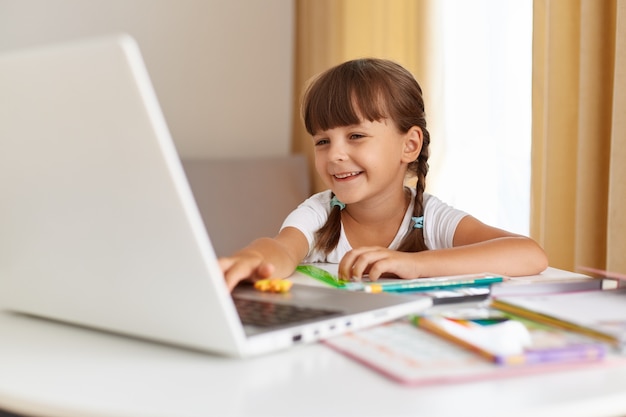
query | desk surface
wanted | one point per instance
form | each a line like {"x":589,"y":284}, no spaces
{"x":51,"y":369}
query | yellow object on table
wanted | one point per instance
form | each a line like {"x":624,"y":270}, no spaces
{"x":273,"y":285}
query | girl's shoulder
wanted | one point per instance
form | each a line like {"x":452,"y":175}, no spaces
{"x":310,"y":215}
{"x":432,"y":200}
{"x":318,"y":201}
{"x":440,"y":222}
{"x":428,"y":199}
{"x":434,"y":204}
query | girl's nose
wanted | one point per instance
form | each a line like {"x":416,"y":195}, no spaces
{"x":337,"y":151}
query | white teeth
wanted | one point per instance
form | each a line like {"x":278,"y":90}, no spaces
{"x":346,"y":175}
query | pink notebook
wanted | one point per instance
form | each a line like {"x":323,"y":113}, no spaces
{"x":413,"y":356}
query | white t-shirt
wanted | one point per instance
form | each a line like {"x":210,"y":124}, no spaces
{"x":440,"y":222}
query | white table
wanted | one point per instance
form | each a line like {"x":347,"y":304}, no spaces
{"x":55,"y":370}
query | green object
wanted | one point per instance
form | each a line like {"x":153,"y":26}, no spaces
{"x":321,"y":275}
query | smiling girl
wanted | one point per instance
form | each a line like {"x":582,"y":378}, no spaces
{"x":368,"y":127}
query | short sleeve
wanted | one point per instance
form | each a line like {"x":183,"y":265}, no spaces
{"x":440,"y":222}
{"x":310,"y":215}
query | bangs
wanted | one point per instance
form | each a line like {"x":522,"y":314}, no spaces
{"x":344,"y":96}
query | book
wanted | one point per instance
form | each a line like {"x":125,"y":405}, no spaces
{"x":547,"y":286}
{"x":600,"y":314}
{"x":410,"y":355}
{"x":508,"y":340}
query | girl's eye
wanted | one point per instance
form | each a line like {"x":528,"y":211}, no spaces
{"x":319,"y":142}
{"x":356,"y":136}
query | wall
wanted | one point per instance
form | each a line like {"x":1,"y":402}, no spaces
{"x":222,"y":69}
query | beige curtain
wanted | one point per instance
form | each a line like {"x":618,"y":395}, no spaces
{"x":578,"y":191}
{"x":329,"y":32}
{"x":578,"y":186}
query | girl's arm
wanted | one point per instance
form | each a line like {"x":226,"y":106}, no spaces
{"x":477,"y":248}
{"x":495,"y":250}
{"x":266,"y":257}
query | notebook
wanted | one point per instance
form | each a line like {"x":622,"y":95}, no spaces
{"x":600,"y":314}
{"x":98,"y":224}
{"x":413,"y":356}
{"x":509,"y":340}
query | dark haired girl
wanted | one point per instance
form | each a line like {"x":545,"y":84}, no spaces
{"x":368,"y":126}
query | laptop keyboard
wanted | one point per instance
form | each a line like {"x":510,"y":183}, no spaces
{"x":266,"y":314}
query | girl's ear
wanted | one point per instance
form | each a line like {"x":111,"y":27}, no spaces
{"x":413,"y":140}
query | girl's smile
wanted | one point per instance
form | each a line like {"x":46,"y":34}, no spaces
{"x":347,"y":175}
{"x":363,"y":161}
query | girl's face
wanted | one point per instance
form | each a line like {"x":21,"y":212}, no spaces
{"x":365,"y":161}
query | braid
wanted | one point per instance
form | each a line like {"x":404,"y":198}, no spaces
{"x":414,"y":240}
{"x":327,"y":237}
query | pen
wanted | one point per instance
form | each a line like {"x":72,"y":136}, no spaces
{"x":416,"y":285}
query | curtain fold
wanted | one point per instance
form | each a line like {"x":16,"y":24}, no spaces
{"x":577,"y":190}
{"x":616,"y":253}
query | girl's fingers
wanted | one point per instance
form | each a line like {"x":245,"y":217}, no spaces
{"x":358,"y":262}
{"x":378,"y":261}
{"x":237,"y":269}
{"x":225,"y":263}
{"x":265,"y":270}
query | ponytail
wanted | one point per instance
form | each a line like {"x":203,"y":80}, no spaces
{"x":327,"y":237}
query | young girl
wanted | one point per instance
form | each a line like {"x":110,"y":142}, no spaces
{"x":368,"y":125}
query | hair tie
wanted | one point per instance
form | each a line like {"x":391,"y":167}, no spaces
{"x":418,"y":222}
{"x":335,"y":202}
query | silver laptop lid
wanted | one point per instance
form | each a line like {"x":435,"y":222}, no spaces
{"x":100,"y":227}
{"x":83,"y":116}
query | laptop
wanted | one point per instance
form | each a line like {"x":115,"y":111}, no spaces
{"x":99,"y":227}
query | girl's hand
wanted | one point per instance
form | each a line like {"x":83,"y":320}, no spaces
{"x":246,"y":265}
{"x":476,"y":248}
{"x":266,"y":258}
{"x":377,"y":261}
